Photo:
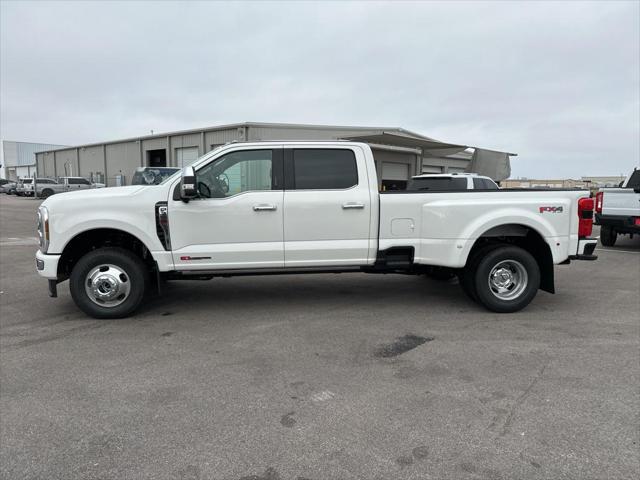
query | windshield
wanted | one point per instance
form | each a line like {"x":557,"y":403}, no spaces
{"x":152,"y":175}
{"x":26,"y":180}
{"x":187,"y":164}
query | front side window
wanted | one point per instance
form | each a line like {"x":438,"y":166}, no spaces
{"x":236,"y":172}
{"x":324,"y":169}
{"x":72,"y":181}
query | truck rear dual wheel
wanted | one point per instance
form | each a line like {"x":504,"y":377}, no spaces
{"x":502,"y":278}
{"x":608,"y":236}
{"x":108,"y":283}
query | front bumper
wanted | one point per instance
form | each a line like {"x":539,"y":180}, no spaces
{"x":47,"y":265}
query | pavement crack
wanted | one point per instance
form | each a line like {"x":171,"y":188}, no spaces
{"x":520,"y":400}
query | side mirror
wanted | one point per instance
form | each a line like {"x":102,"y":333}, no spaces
{"x":188,"y":184}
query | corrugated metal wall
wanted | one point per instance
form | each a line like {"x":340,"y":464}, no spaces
{"x":257,"y":133}
{"x":220,"y":137}
{"x":122,"y":159}
{"x":91,"y":161}
{"x":67,"y":163}
{"x":23,"y":153}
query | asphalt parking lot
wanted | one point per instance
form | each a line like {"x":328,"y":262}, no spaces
{"x":298,"y":377}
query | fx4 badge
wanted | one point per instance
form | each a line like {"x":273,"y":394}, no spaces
{"x":551,"y":209}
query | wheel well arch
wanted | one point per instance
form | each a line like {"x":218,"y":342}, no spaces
{"x":527,"y":238}
{"x":89,"y":240}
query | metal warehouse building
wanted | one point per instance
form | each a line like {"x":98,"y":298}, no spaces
{"x":18,"y":157}
{"x":399,"y":153}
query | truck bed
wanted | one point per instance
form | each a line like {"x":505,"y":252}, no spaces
{"x":443,"y":226}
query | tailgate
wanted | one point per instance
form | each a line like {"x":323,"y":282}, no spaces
{"x":621,"y":202}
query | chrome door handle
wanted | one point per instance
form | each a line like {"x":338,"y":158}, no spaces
{"x":263,"y":207}
{"x":352,"y":206}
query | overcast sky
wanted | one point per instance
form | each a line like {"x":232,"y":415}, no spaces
{"x":558,"y":83}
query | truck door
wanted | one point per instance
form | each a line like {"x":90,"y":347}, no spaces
{"x":237,"y":221}
{"x":327,"y":207}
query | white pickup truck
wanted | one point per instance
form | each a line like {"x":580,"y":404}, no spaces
{"x":303,"y":207}
{"x":618,"y":210}
{"x":47,"y":187}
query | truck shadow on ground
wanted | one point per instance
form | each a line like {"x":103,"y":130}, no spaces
{"x":329,"y":293}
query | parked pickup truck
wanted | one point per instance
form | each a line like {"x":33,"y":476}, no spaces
{"x":303,"y":207}
{"x":64,"y":184}
{"x":450,"y":182}
{"x":618,"y":210}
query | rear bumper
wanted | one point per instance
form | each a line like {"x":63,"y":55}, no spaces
{"x":586,"y":247}
{"x":621,"y":223}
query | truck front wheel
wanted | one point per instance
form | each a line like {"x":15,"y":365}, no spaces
{"x":506,"y":279}
{"x":608,"y":236}
{"x":108,"y":283}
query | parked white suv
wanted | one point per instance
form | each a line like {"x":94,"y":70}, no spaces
{"x":304,"y":207}
{"x":450,"y":182}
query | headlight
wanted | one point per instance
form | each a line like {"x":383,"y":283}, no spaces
{"x":43,"y":229}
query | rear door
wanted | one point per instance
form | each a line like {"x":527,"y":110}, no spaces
{"x":72,"y":184}
{"x":327,"y":207}
{"x":83,"y":183}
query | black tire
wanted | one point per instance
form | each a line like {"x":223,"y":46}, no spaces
{"x":46,"y":193}
{"x":135,"y":273}
{"x":608,"y":236}
{"x":517,"y":264}
{"x":467,"y":276}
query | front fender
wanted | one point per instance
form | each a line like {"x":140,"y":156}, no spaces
{"x":64,"y":228}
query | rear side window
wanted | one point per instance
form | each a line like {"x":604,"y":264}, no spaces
{"x":490,"y":184}
{"x":484,"y":184}
{"x":437,"y":184}
{"x":324,"y":169}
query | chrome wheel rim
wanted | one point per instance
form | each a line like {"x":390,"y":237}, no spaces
{"x":508,"y":280}
{"x":107,"y":285}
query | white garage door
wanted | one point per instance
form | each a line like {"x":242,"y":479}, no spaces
{"x":395,"y":171}
{"x":431,"y":169}
{"x":186,"y":155}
